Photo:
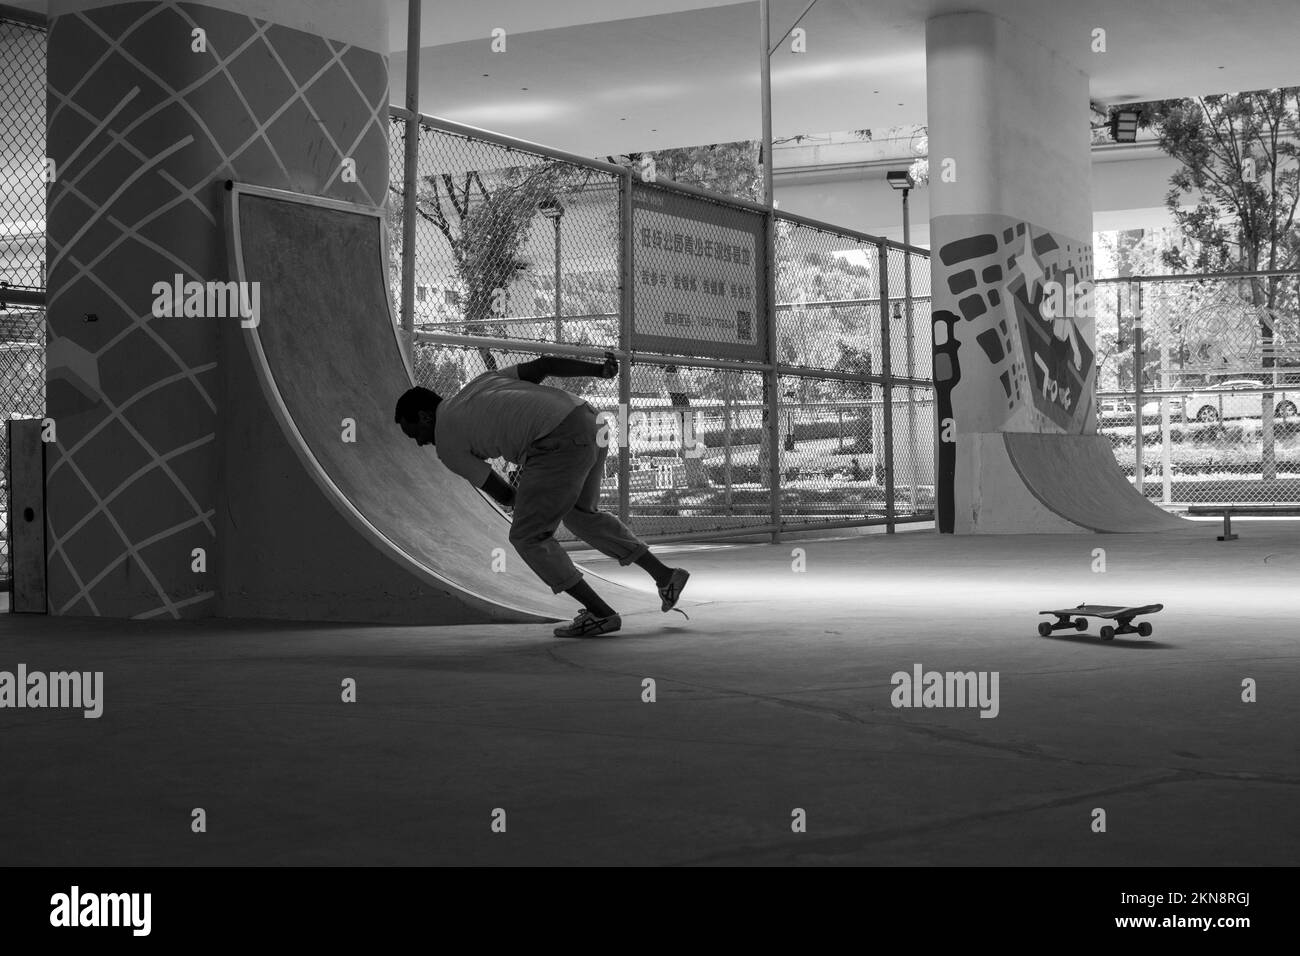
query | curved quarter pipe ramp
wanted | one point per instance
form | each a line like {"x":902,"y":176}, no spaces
{"x":1077,"y":478}
{"x":320,"y":527}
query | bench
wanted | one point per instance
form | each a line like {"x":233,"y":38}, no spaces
{"x":1262,"y":511}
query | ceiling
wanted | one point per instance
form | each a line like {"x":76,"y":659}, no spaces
{"x":599,"y":77}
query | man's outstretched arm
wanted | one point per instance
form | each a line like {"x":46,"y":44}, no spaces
{"x":548,"y":365}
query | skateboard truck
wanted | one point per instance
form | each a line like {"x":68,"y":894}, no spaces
{"x":1076,"y":618}
{"x":1063,"y":623}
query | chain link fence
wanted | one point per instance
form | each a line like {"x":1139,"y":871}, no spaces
{"x":521,"y":251}
{"x":838,"y":314}
{"x":510,"y":243}
{"x":522,"y":244}
{"x":1199,"y":385}
{"x":22,"y":238}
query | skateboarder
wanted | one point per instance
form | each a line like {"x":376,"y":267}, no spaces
{"x":552,"y":435}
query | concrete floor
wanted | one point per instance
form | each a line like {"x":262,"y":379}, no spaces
{"x":774,"y":695}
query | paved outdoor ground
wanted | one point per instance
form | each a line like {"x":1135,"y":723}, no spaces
{"x":775,"y":696}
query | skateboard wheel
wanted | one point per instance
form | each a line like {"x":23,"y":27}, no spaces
{"x":1044,"y":629}
{"x":1144,"y":629}
{"x":1108,"y":633}
{"x":1080,"y":623}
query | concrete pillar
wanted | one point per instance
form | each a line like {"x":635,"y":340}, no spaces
{"x":152,"y":107}
{"x":1011,"y":234}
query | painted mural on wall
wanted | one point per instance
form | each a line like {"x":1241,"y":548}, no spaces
{"x":1016,"y":301}
{"x":152,"y":107}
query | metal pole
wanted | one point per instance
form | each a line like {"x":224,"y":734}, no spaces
{"x":627,"y":302}
{"x":1166,"y":451}
{"x":886,"y":370}
{"x":559,"y":324}
{"x":11,"y":296}
{"x":799,"y":20}
{"x":410,"y":176}
{"x":911,"y":393}
{"x":769,"y":310}
{"x":1139,"y":465}
{"x":765,"y":89}
{"x":726,"y":436}
{"x":1195,"y":276}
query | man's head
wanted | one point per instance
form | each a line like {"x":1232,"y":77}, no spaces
{"x":417,"y":413}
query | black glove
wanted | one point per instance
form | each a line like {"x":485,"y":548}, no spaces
{"x":610,"y":368}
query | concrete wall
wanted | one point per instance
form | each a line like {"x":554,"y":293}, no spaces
{"x":1010,"y":215}
{"x":145,"y":127}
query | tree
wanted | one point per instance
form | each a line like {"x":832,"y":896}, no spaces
{"x":1239,"y":157}
{"x":485,"y":216}
{"x":732,"y":169}
{"x":1133,"y":252}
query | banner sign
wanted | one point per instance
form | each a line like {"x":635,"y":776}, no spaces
{"x":697,"y":276}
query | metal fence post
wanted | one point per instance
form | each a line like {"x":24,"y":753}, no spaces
{"x":626,"y":304}
{"x":410,"y":177}
{"x":911,"y":371}
{"x":773,"y":376}
{"x":727,"y":400}
{"x":1166,"y":449}
{"x":1139,"y":450}
{"x":887,"y":374}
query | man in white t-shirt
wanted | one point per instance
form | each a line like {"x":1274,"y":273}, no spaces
{"x":552,"y":435}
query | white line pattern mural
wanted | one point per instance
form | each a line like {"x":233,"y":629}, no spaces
{"x":144,"y":130}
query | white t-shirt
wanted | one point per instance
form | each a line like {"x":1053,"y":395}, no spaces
{"x":497,"y":415}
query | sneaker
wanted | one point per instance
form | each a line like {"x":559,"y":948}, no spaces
{"x":587,"y":624}
{"x":671,"y":591}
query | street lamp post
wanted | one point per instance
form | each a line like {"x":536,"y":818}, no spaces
{"x":902,"y":180}
{"x":552,"y":210}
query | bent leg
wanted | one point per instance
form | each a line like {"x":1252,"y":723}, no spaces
{"x":548,"y":489}
{"x":600,"y":529}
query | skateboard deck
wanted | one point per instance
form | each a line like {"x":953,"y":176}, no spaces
{"x":1076,"y":618}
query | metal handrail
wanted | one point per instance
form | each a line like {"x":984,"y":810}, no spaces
{"x":508,"y":142}
{"x":862,"y":237}
{"x":1201,"y":276}
{"x":600,"y":316}
{"x":1203,"y":390}
{"x":21,"y":295}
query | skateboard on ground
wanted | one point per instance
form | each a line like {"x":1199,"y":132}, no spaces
{"x":1123,"y":616}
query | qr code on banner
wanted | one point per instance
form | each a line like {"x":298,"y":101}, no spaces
{"x":744,"y":326}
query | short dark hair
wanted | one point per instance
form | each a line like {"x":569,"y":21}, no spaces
{"x":413,"y":401}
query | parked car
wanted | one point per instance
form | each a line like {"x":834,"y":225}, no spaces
{"x":1224,"y":401}
{"x":1151,"y":409}
{"x":1115,"y":408}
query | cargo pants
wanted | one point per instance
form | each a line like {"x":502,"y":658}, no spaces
{"x":560,"y":482}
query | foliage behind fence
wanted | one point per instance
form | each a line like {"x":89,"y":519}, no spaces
{"x":1207,"y":371}
{"x":520,"y":245}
